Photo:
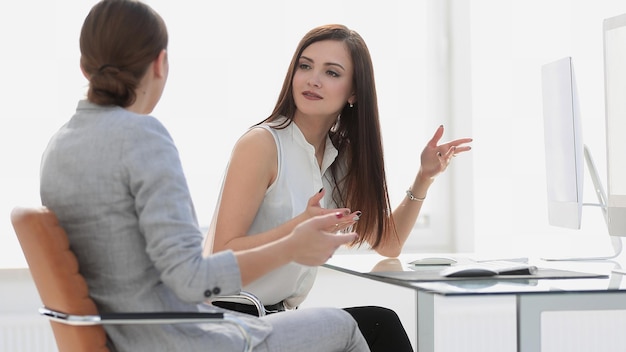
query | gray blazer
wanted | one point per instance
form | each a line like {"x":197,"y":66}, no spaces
{"x":115,"y":181}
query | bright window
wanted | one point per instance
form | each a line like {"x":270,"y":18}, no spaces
{"x":227,"y":63}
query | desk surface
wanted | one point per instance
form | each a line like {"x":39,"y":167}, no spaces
{"x":389,"y":270}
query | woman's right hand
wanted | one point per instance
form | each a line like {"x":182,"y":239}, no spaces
{"x":312,"y":244}
{"x":314,"y":209}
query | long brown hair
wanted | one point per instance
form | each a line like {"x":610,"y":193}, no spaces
{"x":356,"y":136}
{"x":118,"y":41}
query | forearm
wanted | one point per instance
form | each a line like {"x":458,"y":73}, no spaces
{"x":309,"y":244}
{"x":258,"y":261}
{"x":246,"y":242}
{"x":435,"y":158}
{"x":405,"y":215}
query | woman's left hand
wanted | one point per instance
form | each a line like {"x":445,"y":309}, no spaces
{"x":436,"y":157}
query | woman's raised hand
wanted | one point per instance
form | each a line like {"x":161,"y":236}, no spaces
{"x":436,"y":157}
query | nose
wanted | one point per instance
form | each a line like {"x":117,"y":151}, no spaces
{"x":314,"y":80}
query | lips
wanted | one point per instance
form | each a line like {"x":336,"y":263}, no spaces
{"x":311,"y":96}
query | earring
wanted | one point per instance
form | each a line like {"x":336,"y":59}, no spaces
{"x":335,"y":126}
{"x":351,"y":105}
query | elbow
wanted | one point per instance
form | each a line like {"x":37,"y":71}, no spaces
{"x":389,"y":252}
{"x":183,"y":291}
{"x":187,"y":297}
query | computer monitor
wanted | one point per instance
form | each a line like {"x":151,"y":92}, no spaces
{"x":566,"y":153}
{"x":614,"y":30}
{"x":563,"y":144}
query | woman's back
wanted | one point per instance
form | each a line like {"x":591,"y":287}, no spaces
{"x":124,"y":167}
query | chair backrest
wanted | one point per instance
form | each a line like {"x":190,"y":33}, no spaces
{"x":54,"y":269}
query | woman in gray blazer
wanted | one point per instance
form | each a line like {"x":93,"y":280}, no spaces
{"x":113,"y":176}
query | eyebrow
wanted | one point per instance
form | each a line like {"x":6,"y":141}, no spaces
{"x":327,"y":64}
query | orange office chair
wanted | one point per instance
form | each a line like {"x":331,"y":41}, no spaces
{"x":75,"y":321}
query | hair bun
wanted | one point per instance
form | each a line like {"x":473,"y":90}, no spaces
{"x":109,"y":68}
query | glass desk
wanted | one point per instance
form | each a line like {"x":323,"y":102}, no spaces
{"x":525,"y":299}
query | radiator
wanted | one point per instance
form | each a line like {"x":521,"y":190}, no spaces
{"x":20,"y":333}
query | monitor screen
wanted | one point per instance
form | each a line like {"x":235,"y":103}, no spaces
{"x":563,"y":144}
{"x":614,"y":29}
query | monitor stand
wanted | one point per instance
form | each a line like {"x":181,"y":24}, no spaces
{"x":616,"y":241}
{"x":619,"y":270}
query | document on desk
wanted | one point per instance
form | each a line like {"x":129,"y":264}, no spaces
{"x":489,"y":268}
{"x":483,"y":271}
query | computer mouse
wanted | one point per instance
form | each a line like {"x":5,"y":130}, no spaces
{"x":467,"y":271}
{"x":434,"y":261}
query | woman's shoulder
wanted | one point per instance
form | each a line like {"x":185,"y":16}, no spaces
{"x":135,"y":130}
{"x":257,"y":138}
{"x":138,"y":124}
{"x":143,"y":121}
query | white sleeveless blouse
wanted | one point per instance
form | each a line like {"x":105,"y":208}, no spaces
{"x":299,"y":177}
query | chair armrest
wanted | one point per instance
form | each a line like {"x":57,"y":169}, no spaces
{"x":146,"y":318}
{"x":161,"y":316}
{"x":245,"y":296}
{"x":133,"y":317}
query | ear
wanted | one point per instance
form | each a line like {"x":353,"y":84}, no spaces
{"x":352,"y":99}
{"x":160,"y":65}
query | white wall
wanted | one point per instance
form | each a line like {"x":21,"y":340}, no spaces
{"x":21,"y":327}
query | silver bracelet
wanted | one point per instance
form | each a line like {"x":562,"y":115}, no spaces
{"x":412,"y":197}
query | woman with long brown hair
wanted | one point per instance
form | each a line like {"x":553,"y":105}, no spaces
{"x":319,"y":151}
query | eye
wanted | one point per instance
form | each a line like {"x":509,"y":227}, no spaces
{"x":332,"y":73}
{"x":304,"y":66}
